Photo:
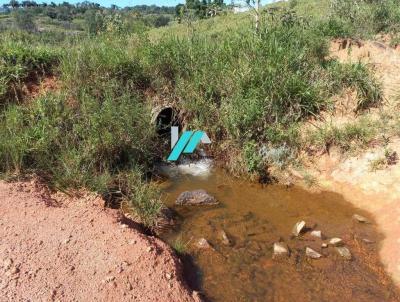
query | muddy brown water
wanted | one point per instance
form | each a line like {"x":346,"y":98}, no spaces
{"x":254,"y":217}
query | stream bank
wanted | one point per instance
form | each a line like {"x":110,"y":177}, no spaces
{"x":376,"y":191}
{"x":253,"y":217}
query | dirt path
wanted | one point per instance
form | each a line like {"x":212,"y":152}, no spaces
{"x":67,"y":249}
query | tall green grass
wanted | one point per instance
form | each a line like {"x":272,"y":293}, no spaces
{"x":248,"y":91}
{"x":19,"y":63}
{"x":245,"y":88}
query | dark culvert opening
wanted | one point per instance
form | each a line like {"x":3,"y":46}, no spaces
{"x":165,"y":119}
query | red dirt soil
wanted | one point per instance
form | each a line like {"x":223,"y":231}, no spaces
{"x":57,"y":248}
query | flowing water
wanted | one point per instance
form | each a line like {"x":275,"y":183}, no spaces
{"x":254,"y":217}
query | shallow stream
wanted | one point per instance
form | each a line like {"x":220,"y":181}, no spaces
{"x":254,"y":217}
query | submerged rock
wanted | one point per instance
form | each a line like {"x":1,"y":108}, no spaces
{"x":344,"y":252}
{"x":280,"y":250}
{"x":360,"y":218}
{"x":196,"y":197}
{"x":298,"y":228}
{"x":336,"y":241}
{"x":316,"y":233}
{"x":366,"y":240}
{"x":202,"y":243}
{"x":225,"y":238}
{"x":312,"y":254}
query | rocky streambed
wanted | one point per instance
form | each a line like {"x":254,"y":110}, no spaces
{"x":245,"y":242}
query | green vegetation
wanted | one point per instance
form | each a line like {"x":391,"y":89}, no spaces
{"x":348,"y":137}
{"x":19,"y":64}
{"x":180,"y":246}
{"x":251,"y":92}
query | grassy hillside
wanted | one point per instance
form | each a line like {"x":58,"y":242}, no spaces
{"x":251,"y":92}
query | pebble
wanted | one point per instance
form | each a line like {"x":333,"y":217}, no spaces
{"x":324,"y":245}
{"x":336,"y":241}
{"x":312,"y":254}
{"x":225,"y":239}
{"x":149,"y":249}
{"x":360,"y":218}
{"x":366,"y":240}
{"x":109,"y":279}
{"x":203,"y":244}
{"x":168,"y":276}
{"x":298,"y":227}
{"x":7,"y":263}
{"x":14,"y":270}
{"x":316,"y":233}
{"x":129,"y":286}
{"x":280,"y":249}
{"x":344,"y":252}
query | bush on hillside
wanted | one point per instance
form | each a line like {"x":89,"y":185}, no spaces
{"x":20,"y":62}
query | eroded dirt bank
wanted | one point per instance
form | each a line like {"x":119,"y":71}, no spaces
{"x":352,"y":175}
{"x":54,"y":248}
{"x":374,"y":191}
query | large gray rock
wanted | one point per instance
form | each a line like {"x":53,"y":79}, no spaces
{"x":196,"y":197}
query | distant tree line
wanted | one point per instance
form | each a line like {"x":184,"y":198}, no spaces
{"x":93,"y":13}
{"x":199,"y":8}
{"x":99,"y":19}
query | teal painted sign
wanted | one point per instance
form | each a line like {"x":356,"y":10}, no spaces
{"x":187,"y":143}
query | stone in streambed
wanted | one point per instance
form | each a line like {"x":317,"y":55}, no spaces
{"x":225,"y":238}
{"x":202,"y":243}
{"x":298,"y":228}
{"x":335,"y":241}
{"x":280,"y":250}
{"x":344,"y":252}
{"x":366,"y":240}
{"x":196,"y":197}
{"x":360,"y":218}
{"x":316,"y":233}
{"x":312,"y":254}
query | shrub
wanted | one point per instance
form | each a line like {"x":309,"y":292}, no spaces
{"x":24,"y":20}
{"x":356,"y":76}
{"x":18,"y":63}
{"x":348,"y":137}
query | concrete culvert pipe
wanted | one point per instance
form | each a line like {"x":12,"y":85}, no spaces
{"x":163,"y":118}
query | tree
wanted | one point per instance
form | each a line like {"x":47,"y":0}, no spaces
{"x":254,"y":5}
{"x":161,"y":21}
{"x":14,"y":4}
{"x":94,"y":21}
{"x":29,"y":4}
{"x":179,"y":12}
